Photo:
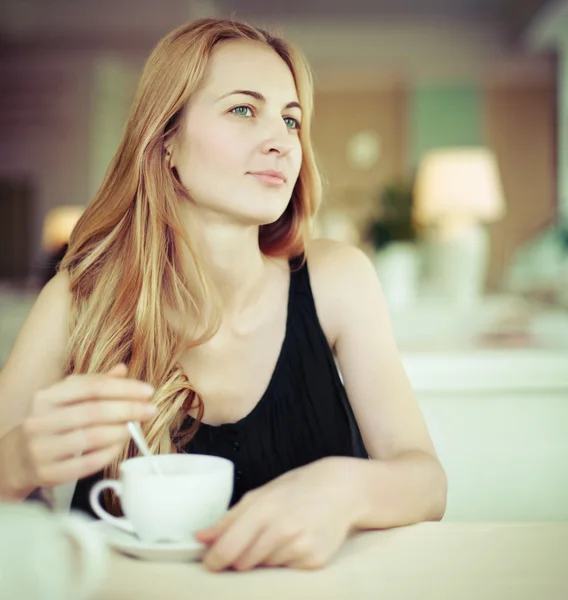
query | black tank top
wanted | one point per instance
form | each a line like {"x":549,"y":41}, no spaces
{"x":303,"y":415}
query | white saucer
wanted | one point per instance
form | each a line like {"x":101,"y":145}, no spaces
{"x":129,"y":544}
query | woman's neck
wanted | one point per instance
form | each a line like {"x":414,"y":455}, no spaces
{"x":231,"y":257}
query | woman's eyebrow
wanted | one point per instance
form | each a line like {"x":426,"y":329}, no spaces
{"x":258,"y":96}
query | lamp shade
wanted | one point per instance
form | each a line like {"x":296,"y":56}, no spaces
{"x":458,"y":184}
{"x":58,"y":225}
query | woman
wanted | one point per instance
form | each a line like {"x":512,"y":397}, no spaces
{"x":189,"y":272}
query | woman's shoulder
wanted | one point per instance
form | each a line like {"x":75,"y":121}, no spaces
{"x":324,"y":252}
{"x":332,"y":264}
{"x":339,"y":274}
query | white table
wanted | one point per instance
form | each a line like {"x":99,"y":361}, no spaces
{"x":428,"y":561}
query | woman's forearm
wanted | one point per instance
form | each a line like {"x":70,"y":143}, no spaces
{"x":14,"y":480}
{"x":390,"y":493}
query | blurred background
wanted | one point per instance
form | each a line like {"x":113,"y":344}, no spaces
{"x":441,"y":128}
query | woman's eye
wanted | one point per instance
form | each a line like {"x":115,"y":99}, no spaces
{"x":292,"y":123}
{"x":241,"y":111}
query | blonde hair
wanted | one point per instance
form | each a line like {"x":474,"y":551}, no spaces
{"x":130,"y":288}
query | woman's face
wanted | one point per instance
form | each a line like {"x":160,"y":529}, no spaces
{"x":238,"y":152}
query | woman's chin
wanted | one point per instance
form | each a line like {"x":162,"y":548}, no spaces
{"x":261,"y":216}
{"x":248,"y":212}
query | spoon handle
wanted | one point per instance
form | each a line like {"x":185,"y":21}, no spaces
{"x":138,"y":436}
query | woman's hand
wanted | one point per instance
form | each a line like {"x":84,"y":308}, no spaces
{"x":298,"y":520}
{"x":78,"y":425}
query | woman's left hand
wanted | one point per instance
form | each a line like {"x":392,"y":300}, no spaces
{"x":298,"y":520}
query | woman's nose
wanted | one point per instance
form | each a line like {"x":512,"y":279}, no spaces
{"x":278,"y":141}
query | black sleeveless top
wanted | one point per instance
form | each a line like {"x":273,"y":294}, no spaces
{"x":303,"y":415}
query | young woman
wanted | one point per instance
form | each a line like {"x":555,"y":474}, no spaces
{"x":192,"y":271}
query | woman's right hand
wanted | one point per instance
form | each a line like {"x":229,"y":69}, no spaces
{"x":78,"y":425}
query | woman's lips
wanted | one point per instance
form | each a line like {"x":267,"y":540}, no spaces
{"x":270,"y":178}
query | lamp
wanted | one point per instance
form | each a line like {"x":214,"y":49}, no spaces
{"x":456,"y":191}
{"x":58,"y":225}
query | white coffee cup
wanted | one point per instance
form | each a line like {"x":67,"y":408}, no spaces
{"x":192,"y":492}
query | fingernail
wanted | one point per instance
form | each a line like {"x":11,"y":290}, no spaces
{"x":147,"y":388}
{"x":150,"y":410}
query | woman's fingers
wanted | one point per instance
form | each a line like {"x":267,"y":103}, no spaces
{"x":88,"y":414}
{"x":248,"y":544}
{"x":289,"y":555}
{"x":79,"y":388}
{"x":269,"y":542}
{"x":56,"y":473}
{"x":77,"y":425}
{"x":209,"y":535}
{"x":77,"y":442}
{"x":233,"y":542}
{"x":119,"y":370}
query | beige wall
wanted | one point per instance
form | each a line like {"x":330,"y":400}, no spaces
{"x":520,"y":126}
{"x":339,"y":115}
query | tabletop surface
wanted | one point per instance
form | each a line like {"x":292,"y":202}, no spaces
{"x":427,"y":561}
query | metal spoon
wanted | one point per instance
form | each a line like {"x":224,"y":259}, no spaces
{"x":138,"y":436}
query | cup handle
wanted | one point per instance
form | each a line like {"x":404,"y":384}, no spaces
{"x":94,"y":494}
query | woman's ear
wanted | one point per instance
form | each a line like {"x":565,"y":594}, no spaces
{"x":168,"y":154}
{"x":168,"y":149}
{"x":169,"y":157}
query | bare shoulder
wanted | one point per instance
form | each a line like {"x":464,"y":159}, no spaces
{"x":37,"y":357}
{"x":339,"y":268}
{"x":332,"y":258}
{"x":54,"y":299}
{"x":57,"y":288}
{"x":340,"y":275}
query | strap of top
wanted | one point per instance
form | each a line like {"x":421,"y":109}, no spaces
{"x":300,"y":286}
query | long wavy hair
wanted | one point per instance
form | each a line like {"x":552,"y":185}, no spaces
{"x":130,"y":288}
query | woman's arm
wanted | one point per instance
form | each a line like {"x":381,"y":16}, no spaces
{"x":405,"y":483}
{"x":59,"y":429}
{"x":14,"y":481}
{"x":36,"y":361}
